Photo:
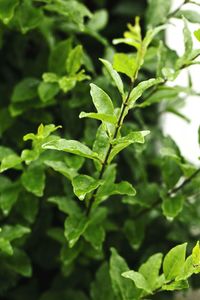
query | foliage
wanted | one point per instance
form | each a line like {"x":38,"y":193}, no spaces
{"x":76,"y":193}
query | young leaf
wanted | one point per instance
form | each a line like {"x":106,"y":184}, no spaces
{"x":102,"y":117}
{"x":10,"y":161}
{"x":141,"y":88}
{"x":83,"y":184}
{"x":7,"y":9}
{"x":121,"y":287}
{"x":101,"y":100}
{"x":173,"y":262}
{"x":121,"y":143}
{"x":33,"y":179}
{"x":114,"y":75}
{"x":74,"y":60}
{"x":125,"y":63}
{"x":197,"y":34}
{"x":150,"y":270}
{"x":138,"y":279}
{"x":172,"y":206}
{"x":71,"y":146}
{"x":196,"y":255}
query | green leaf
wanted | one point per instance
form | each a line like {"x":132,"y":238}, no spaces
{"x":102,"y":117}
{"x":58,"y":57}
{"x":83,"y":184}
{"x":101,"y":100}
{"x":28,"y":16}
{"x":121,"y":287}
{"x":191,"y":15}
{"x":172,"y":206}
{"x":102,"y":283}
{"x":65,"y":205}
{"x":20,"y":263}
{"x":10,"y":161}
{"x":176,"y":285}
{"x":10,"y":233}
{"x":157,"y":11}
{"x":61,"y":167}
{"x":73,"y":10}
{"x":123,"y":142}
{"x":141,"y":88}
{"x":138,"y":279}
{"x":71,"y":146}
{"x":9,"y":193}
{"x":114,"y":75}
{"x":150,"y":270}
{"x":196,"y":255}
{"x":197,"y":34}
{"x":125,"y":64}
{"x":7,"y":9}
{"x":67,"y":83}
{"x":25,"y":90}
{"x":75,"y":226}
{"x":74,"y":60}
{"x":134,"y":232}
{"x":173,"y":261}
{"x":47,"y":91}
{"x":99,"y":20}
{"x":33,"y":179}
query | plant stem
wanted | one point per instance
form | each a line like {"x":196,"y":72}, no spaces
{"x":106,"y":159}
{"x":170,"y":193}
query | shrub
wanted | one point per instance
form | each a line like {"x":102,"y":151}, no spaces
{"x":86,"y":203}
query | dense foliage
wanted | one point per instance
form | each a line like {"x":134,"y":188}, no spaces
{"x":95,"y":202}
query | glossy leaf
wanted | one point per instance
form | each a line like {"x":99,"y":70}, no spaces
{"x":98,"y":116}
{"x":83,"y":184}
{"x":174,"y":261}
{"x":33,"y":179}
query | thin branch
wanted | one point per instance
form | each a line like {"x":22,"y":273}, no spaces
{"x":105,"y":162}
{"x":170,"y":193}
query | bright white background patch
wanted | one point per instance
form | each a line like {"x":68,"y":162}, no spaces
{"x":185,"y":135}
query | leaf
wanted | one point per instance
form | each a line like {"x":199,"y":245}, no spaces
{"x":83,"y":184}
{"x":102,"y":117}
{"x":47,"y":91}
{"x":20,"y":263}
{"x":74,"y":60}
{"x":28,"y":16}
{"x":65,"y":205}
{"x":25,"y":90}
{"x":99,"y":20}
{"x":138,"y":279}
{"x":150,"y":270}
{"x":71,"y":146}
{"x":125,"y":63}
{"x":172,"y":206}
{"x":157,"y":11}
{"x":95,"y":235}
{"x":9,"y":193}
{"x":134,"y":232}
{"x":58,"y":57}
{"x":121,"y":287}
{"x":114,"y":75}
{"x":123,"y":142}
{"x":10,"y":161}
{"x":33,"y":179}
{"x":7,"y":9}
{"x":10,"y":233}
{"x":61,"y":167}
{"x":197,"y":34}
{"x":73,"y":10}
{"x":137,"y":92}
{"x":75,"y":226}
{"x":176,"y":285}
{"x":173,"y":261}
{"x":102,"y":283}
{"x":191,"y":15}
{"x":101,"y":100}
{"x":67,"y":83}
{"x":196,"y":255}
